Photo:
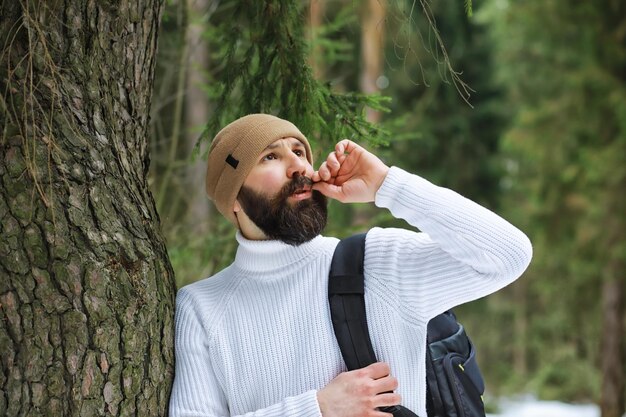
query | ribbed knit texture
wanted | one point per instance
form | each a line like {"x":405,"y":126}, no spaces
{"x":256,"y":339}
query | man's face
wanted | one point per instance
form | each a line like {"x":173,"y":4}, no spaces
{"x":277,"y":194}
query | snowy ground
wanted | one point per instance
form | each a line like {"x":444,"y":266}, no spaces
{"x":529,"y":407}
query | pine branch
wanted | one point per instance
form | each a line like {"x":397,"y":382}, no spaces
{"x":265,"y":69}
{"x":468,"y":8}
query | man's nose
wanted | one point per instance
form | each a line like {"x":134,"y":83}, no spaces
{"x":296,"y":165}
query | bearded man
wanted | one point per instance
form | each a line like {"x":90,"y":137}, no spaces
{"x":256,"y":339}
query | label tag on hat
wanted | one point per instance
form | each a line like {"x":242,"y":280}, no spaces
{"x":232,"y":161}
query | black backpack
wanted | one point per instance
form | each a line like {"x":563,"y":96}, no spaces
{"x":454,"y":384}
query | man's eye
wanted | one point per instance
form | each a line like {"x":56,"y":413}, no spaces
{"x":298,"y":152}
{"x":269,"y":157}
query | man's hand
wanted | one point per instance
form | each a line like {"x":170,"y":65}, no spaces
{"x":350,"y":174}
{"x":359,"y":393}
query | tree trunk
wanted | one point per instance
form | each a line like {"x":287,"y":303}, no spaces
{"x":316,"y":15}
{"x":520,"y":327}
{"x":372,"y":35}
{"x":197,"y":108}
{"x":612,"y":348}
{"x":86,"y":288}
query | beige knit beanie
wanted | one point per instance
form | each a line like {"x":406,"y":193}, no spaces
{"x":234,"y":152}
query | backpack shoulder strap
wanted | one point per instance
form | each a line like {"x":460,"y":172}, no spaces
{"x":347,"y":303}
{"x":346,"y":289}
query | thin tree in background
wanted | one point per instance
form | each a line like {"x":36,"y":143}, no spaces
{"x":167,"y":144}
{"x":316,"y":15}
{"x":372,"y":42}
{"x":613,"y":365}
{"x":86,"y":288}
{"x":197,"y":110}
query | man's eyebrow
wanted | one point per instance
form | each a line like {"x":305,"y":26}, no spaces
{"x":295,"y":142}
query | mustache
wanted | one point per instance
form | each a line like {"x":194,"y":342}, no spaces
{"x":297,"y":183}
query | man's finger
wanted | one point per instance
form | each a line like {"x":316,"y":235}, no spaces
{"x":329,"y":190}
{"x":324,"y":172}
{"x":345,"y":146}
{"x":386,"y":384}
{"x":333,"y":164}
{"x":378,"y":370}
{"x":387,"y":399}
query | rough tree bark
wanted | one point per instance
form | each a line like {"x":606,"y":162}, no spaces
{"x":86,"y":288}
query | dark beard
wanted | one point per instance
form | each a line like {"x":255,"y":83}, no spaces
{"x":293,"y":224}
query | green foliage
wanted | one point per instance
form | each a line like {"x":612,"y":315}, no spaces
{"x":565,"y":175}
{"x":203,"y":255}
{"x":262,"y":58}
{"x":328,"y":42}
{"x":468,"y":8}
{"x":566,"y":377}
{"x":457,"y":144}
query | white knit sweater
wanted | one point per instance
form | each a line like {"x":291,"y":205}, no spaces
{"x":256,"y":339}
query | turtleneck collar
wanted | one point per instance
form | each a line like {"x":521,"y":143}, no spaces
{"x":267,"y":255}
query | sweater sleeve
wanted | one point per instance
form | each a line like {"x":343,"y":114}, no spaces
{"x":464,"y":252}
{"x":196,"y":391}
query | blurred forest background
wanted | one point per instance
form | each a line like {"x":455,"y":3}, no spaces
{"x":519,"y":105}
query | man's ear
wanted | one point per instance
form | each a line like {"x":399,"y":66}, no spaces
{"x":236,"y":207}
